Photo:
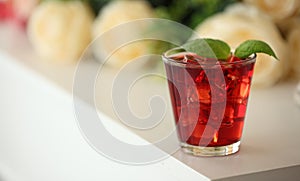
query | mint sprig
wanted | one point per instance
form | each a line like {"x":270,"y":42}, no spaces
{"x":249,"y":47}
{"x":209,"y":48}
{"x":212,"y":48}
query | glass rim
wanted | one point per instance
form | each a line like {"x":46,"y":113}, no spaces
{"x":167,"y":58}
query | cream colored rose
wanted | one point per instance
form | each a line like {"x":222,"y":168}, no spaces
{"x":240,"y":23}
{"x":112,"y":15}
{"x":277,"y":9}
{"x":60,"y":31}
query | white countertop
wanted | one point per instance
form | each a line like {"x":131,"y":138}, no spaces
{"x":270,"y":145}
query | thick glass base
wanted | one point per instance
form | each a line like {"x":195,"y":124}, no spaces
{"x":211,"y":151}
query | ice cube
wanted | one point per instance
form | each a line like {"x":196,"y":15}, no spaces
{"x":204,"y":93}
{"x":240,"y":110}
{"x":244,"y":89}
{"x":229,"y":111}
{"x":185,"y":58}
{"x":201,"y":77}
{"x":192,"y":94}
{"x":231,"y":77}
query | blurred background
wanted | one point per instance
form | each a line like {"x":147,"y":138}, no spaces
{"x":38,"y":127}
{"x":60,"y":30}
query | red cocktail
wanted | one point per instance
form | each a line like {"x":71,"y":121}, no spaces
{"x":209,"y":99}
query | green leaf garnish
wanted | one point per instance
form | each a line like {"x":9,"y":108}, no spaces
{"x":217,"y":49}
{"x":249,"y":47}
{"x":209,"y":48}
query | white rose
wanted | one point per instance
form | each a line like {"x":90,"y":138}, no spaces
{"x":277,"y":9}
{"x":116,"y":13}
{"x":60,"y":31}
{"x":240,"y":23}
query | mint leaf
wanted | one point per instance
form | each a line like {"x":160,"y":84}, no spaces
{"x":209,"y":48}
{"x":249,"y":47}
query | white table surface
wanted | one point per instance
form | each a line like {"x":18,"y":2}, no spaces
{"x":270,"y":147}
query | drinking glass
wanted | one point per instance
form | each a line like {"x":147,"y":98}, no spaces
{"x":209,"y":99}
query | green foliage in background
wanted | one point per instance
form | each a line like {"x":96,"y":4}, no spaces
{"x":189,"y":12}
{"x":96,"y":5}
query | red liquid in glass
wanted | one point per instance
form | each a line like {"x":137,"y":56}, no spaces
{"x":196,"y":101}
